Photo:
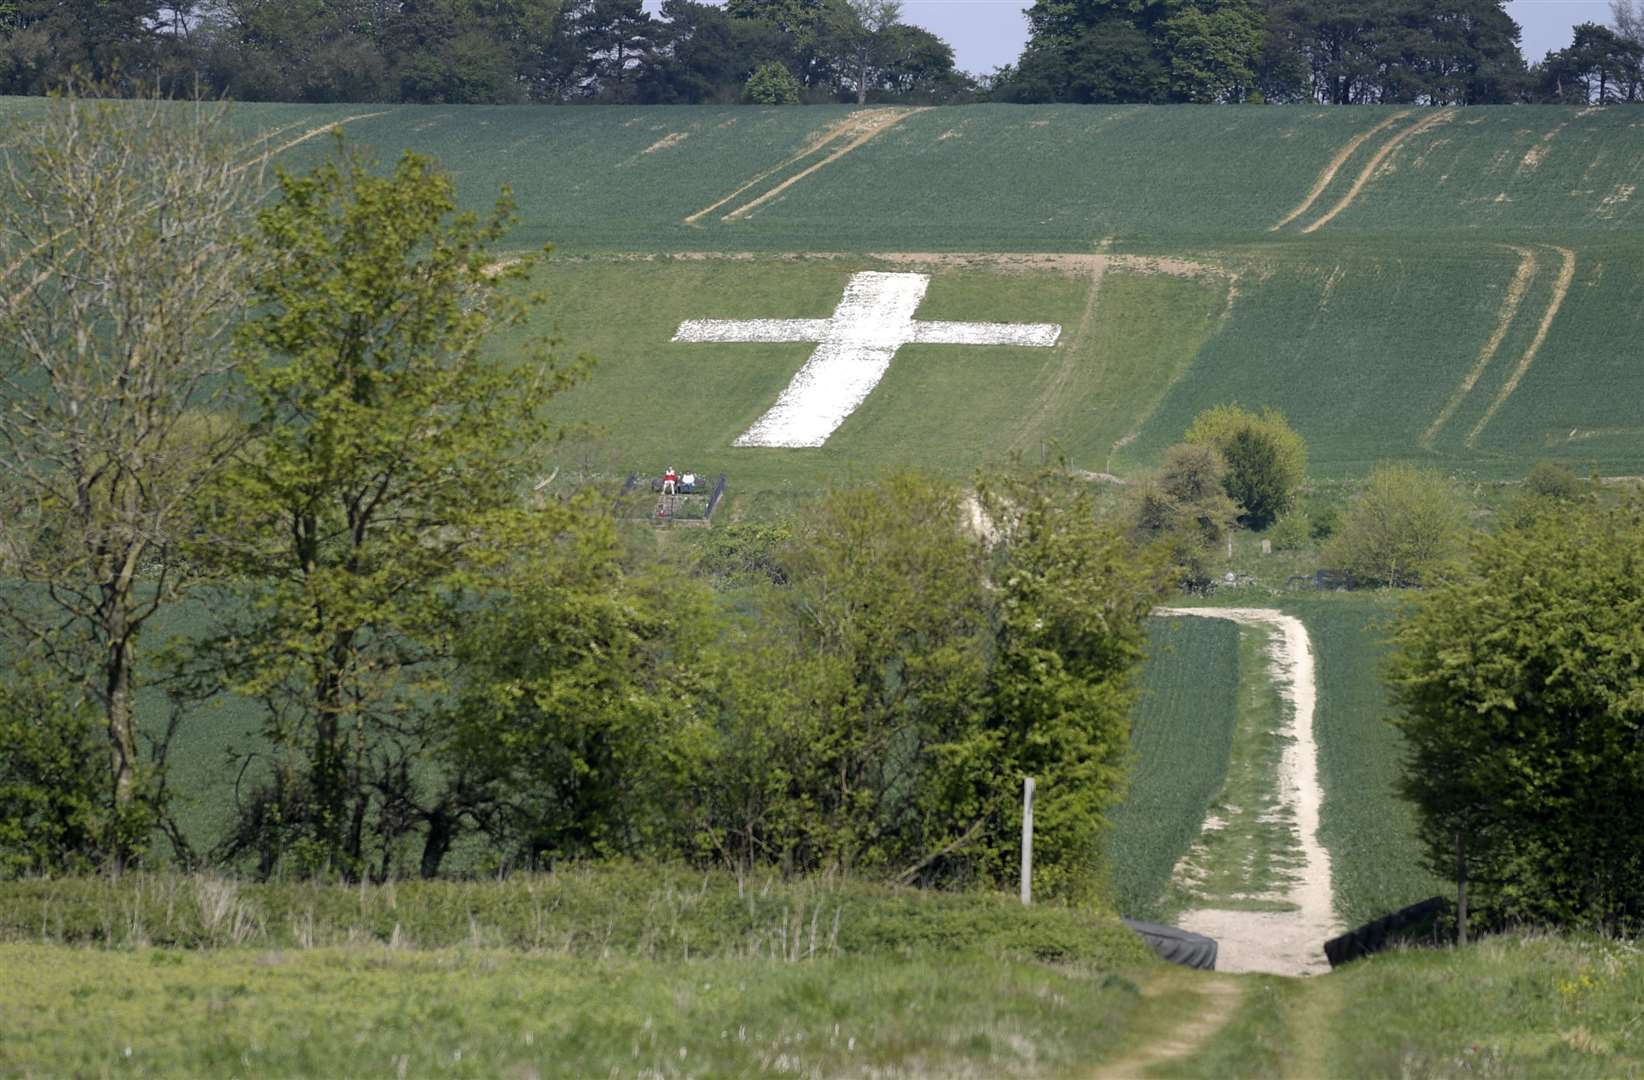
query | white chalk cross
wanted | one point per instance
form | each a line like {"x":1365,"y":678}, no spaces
{"x":854,"y":348}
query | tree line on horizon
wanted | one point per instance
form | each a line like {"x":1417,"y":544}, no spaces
{"x":1449,"y":52}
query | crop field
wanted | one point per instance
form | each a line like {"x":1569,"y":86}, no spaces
{"x":1376,"y":862}
{"x":1463,"y":288}
{"x":1180,"y":733}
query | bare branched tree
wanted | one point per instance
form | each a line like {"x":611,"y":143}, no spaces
{"x":122,"y":277}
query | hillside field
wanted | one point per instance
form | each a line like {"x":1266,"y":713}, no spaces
{"x":1462,"y":287}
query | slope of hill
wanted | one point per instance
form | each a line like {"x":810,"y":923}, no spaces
{"x":1463,"y":287}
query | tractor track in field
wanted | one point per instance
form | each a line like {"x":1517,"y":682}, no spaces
{"x":1281,"y":942}
{"x":1516,"y":290}
{"x":1063,"y":375}
{"x":1220,"y":999}
{"x":1368,"y":173}
{"x":1328,"y":175}
{"x":861,"y":128}
{"x":1561,"y":289}
{"x":312,"y":133}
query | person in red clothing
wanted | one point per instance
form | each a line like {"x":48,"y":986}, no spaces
{"x":670,"y":481}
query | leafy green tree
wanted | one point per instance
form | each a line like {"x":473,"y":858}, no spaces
{"x":772,"y":84}
{"x":1406,"y":527}
{"x":1266,"y":459}
{"x":1110,"y":61}
{"x":916,"y":64}
{"x":856,"y":31}
{"x":885,"y":618}
{"x":1599,"y":66}
{"x":582,"y":691}
{"x":1214,"y":52}
{"x":1450,"y":52}
{"x":707,"y":55}
{"x":1521,"y":699}
{"x":1068,"y":639}
{"x":55,"y":812}
{"x":107,"y":42}
{"x":384,"y":485}
{"x":295,"y":50}
{"x":107,"y":438}
{"x":1182,"y":511}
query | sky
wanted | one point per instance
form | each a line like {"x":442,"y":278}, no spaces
{"x":986,"y":34}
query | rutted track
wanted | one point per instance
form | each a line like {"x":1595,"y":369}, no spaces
{"x":1368,"y":173}
{"x":1328,"y":174}
{"x":1281,"y":942}
{"x":1561,"y":289}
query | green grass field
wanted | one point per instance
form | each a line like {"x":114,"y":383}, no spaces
{"x":632,"y":971}
{"x":1376,"y":863}
{"x":616,"y":970}
{"x":1458,"y":287}
{"x":1181,"y":733}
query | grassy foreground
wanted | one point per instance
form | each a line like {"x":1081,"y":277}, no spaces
{"x":630,"y":971}
{"x":619,"y":971}
{"x":1516,"y":1006}
{"x":376,"y":1011}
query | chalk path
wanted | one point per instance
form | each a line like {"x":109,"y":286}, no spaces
{"x":1284,"y":942}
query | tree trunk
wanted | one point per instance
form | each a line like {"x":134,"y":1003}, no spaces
{"x":442,"y":829}
{"x":122,"y":726}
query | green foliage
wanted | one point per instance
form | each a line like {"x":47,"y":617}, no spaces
{"x":1519,"y":691}
{"x":639,"y":910}
{"x":1551,"y":480}
{"x":884,"y":622}
{"x":745,"y":551}
{"x":470,"y":1013}
{"x":1072,"y":596}
{"x":772,"y":84}
{"x":1514,"y":1005}
{"x":583,"y":685}
{"x":55,"y":811}
{"x":1183,"y":510}
{"x":1291,"y":532}
{"x":1266,"y":459}
{"x":383,"y":482}
{"x":1404,"y":528}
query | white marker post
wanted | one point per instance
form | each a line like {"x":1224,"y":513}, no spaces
{"x":854,"y":349}
{"x":1027,"y":841}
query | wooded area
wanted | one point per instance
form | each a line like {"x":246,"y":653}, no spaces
{"x":790,"y":51}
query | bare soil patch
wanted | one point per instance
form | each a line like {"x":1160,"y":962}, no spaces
{"x":673,"y":138}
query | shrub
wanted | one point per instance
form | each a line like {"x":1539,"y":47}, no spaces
{"x":1266,"y":459}
{"x":1182,"y":511}
{"x":53,"y":782}
{"x":1521,"y":695}
{"x":772,"y":84}
{"x":1549,"y":480}
{"x":1291,"y":532}
{"x":1401,"y":529}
